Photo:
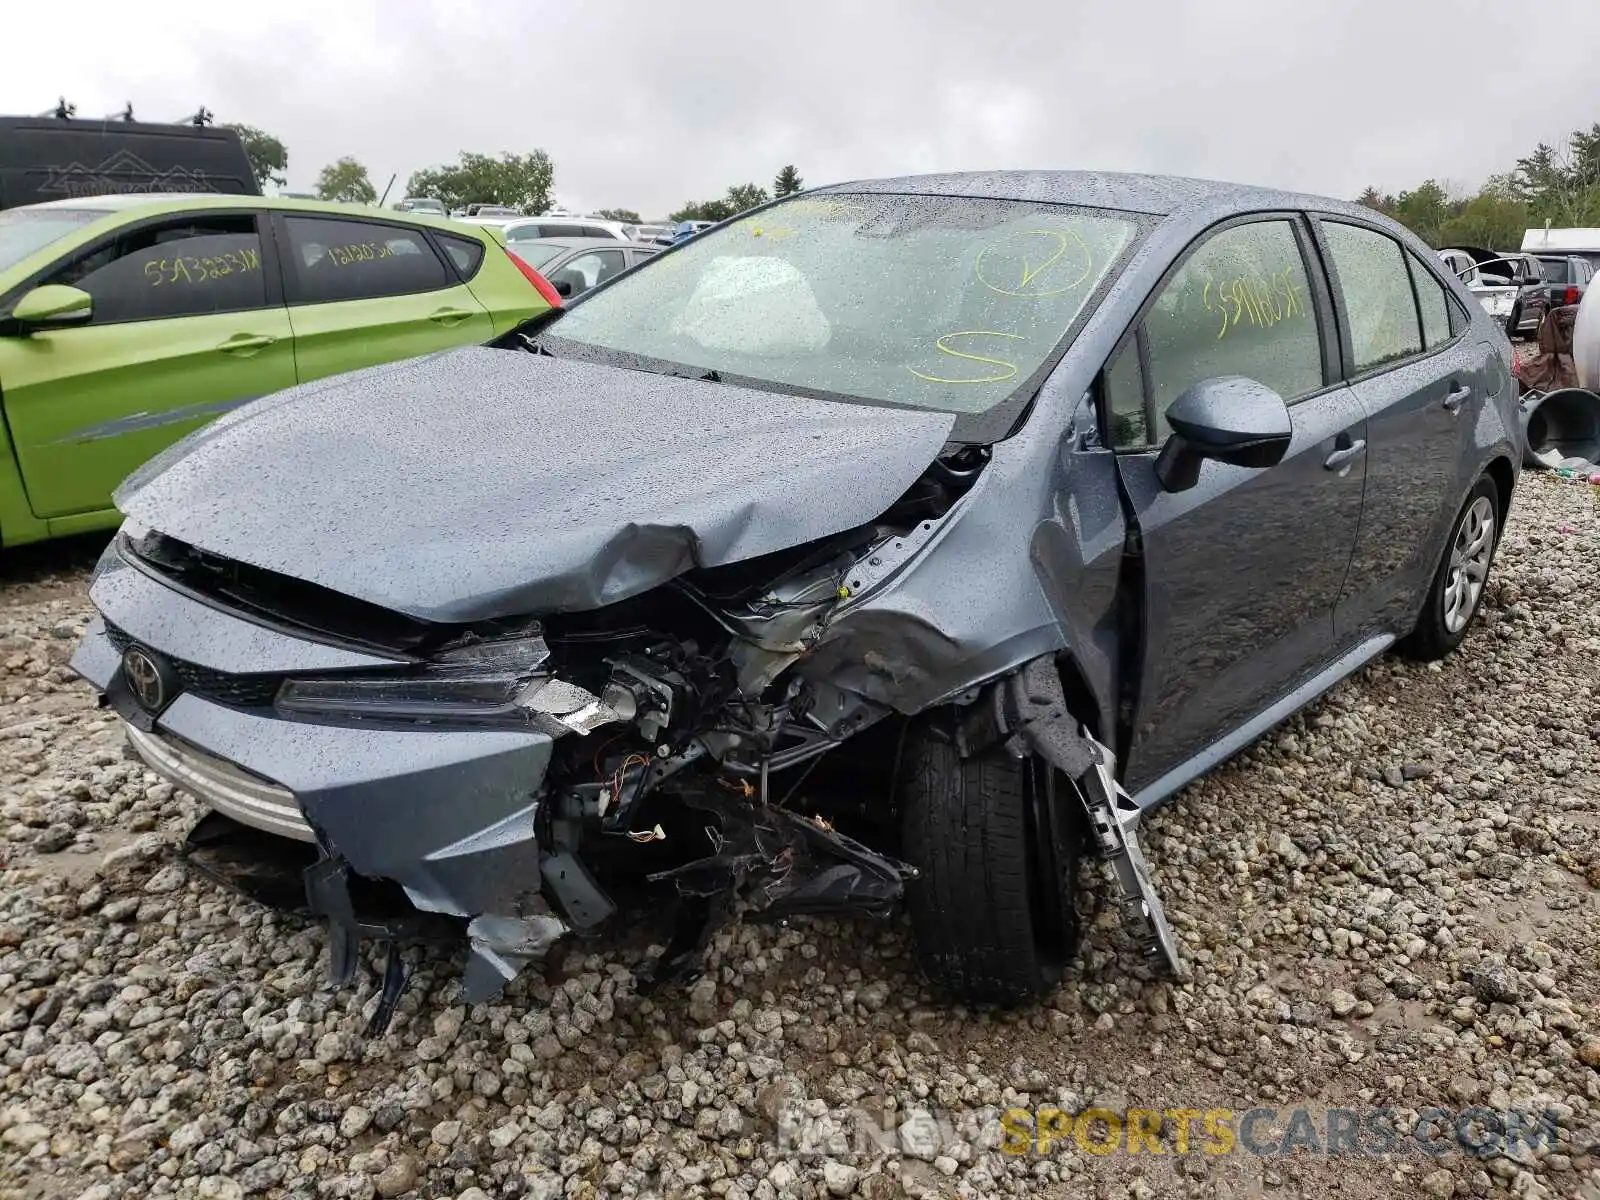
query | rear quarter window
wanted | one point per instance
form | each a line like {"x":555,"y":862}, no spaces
{"x":466,"y":253}
{"x":1554,"y":270}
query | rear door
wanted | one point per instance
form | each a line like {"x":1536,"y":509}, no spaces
{"x":188,"y":321}
{"x":1422,"y":380}
{"x":366,"y":292}
{"x":1241,"y":572}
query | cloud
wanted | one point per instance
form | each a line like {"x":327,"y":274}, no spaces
{"x":647,"y":108}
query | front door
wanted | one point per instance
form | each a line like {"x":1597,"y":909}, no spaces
{"x":1422,"y":380}
{"x":186,"y":324}
{"x":365,"y":292}
{"x":1241,"y":572}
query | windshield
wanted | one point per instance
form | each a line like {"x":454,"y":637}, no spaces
{"x":535,"y":254}
{"x":25,"y":230}
{"x":948,"y":303}
{"x":1554,"y":270}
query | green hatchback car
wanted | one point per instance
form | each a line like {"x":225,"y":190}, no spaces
{"x":128,"y":321}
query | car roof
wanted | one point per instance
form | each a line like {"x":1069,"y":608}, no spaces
{"x":548,"y":219}
{"x":160,"y":202}
{"x":1155,"y":195}
{"x":571,"y":242}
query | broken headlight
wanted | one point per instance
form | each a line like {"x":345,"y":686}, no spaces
{"x":483,"y":683}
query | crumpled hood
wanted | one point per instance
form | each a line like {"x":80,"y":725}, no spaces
{"x":477,"y":482}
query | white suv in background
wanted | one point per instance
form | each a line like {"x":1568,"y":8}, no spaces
{"x":530,"y":228}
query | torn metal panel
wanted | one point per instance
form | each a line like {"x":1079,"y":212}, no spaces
{"x":1028,"y":714}
{"x":478,"y":483}
{"x":502,"y":946}
{"x":1116,"y":826}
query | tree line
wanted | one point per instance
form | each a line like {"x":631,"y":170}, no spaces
{"x":739,"y":197}
{"x":520,"y":181}
{"x":1556,"y":183}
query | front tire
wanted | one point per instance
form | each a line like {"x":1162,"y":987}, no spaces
{"x":1458,"y":585}
{"x":992,"y":906}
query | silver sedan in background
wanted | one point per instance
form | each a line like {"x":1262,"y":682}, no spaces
{"x":573,"y":265}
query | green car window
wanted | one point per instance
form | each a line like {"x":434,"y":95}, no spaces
{"x":181,"y":268}
{"x":331,"y":259}
{"x":466,"y":253}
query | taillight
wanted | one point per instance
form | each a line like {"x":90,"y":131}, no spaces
{"x":1571,"y":297}
{"x":540,"y":283}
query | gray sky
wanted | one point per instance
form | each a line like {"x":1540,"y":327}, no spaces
{"x":644,"y":106}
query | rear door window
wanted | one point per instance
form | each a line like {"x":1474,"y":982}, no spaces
{"x":329,"y":259}
{"x":1370,"y":275}
{"x":1431,"y":302}
{"x":181,"y":268}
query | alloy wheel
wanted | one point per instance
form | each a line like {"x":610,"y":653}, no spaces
{"x":1469,"y":564}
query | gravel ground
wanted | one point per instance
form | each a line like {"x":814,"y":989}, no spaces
{"x":1390,"y":902}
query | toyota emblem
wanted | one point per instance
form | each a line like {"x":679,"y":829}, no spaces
{"x":145,"y":678}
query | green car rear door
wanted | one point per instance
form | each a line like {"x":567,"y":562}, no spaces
{"x":362,"y":292}
{"x":188,"y":321}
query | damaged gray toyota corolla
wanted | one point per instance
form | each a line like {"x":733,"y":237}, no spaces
{"x":902,"y":539}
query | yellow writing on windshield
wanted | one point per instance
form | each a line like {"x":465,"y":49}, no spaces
{"x":773,"y":233}
{"x":1254,"y":300}
{"x":166,"y":272}
{"x":1035,"y":263}
{"x":1007,"y":370}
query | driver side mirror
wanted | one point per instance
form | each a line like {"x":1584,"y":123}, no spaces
{"x":53,"y":304}
{"x":563,"y":287}
{"x":1231,"y":419}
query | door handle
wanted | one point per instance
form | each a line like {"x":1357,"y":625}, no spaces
{"x":449,"y":316}
{"x":246,"y":344}
{"x":1457,"y":397}
{"x":1339,"y":460}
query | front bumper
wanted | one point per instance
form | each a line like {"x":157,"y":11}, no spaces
{"x":226,"y":788}
{"x":448,"y":814}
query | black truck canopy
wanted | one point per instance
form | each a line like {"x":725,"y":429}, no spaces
{"x":54,"y":158}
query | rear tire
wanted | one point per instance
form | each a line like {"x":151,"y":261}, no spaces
{"x":992,"y":907}
{"x":1456,"y":593}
